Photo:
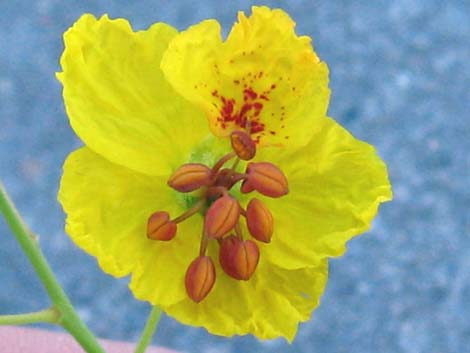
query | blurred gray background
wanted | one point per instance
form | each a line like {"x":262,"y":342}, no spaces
{"x":400,"y":73}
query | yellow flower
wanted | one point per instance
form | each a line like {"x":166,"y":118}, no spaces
{"x":160,"y":114}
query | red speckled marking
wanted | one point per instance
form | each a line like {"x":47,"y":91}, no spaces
{"x":248,"y":113}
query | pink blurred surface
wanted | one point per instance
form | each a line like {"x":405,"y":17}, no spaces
{"x":27,"y":340}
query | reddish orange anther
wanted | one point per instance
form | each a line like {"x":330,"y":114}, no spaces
{"x":190,"y":177}
{"x":267,"y":179}
{"x":200,"y":278}
{"x":259,"y":221}
{"x":246,"y":187}
{"x":221,"y":216}
{"x":159,"y":227}
{"x":238,"y":257}
{"x":243,"y":145}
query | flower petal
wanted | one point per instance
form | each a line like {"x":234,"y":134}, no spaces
{"x":117,"y":100}
{"x":336,"y":184}
{"x":107,"y":208}
{"x":263,"y":78}
{"x":271,"y":304}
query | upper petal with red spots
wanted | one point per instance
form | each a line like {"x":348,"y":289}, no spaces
{"x":263,"y":79}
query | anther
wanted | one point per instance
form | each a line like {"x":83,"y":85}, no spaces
{"x":200,"y":278}
{"x":259,"y":221}
{"x":266,"y":178}
{"x":243,"y":145}
{"x":238,"y":258}
{"x":159,"y":226}
{"x":246,"y":187}
{"x":190,"y":177}
{"x":221,"y":216}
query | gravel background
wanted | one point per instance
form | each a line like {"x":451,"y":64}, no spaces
{"x":400,"y":74}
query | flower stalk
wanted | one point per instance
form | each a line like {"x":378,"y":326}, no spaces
{"x":149,"y":329}
{"x":68,"y":317}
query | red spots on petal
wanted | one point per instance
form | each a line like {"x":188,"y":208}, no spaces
{"x":256,"y":126}
{"x":264,"y":97}
{"x":249,"y":94}
{"x":246,"y":112}
{"x":227,"y":108}
{"x":245,"y":115}
{"x":241,"y":116}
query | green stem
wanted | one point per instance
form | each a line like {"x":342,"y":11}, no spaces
{"x":69,"y":318}
{"x":51,"y":315}
{"x":149,"y":330}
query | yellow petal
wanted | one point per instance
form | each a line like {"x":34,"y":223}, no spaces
{"x":107,"y":208}
{"x":271,"y":304}
{"x":117,"y":100}
{"x":263,"y":78}
{"x":336,"y":184}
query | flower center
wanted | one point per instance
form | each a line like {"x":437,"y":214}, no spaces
{"x":238,"y":256}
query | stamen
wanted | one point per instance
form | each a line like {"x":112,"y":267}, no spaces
{"x":159,"y":227}
{"x":238,"y":258}
{"x":203,"y":244}
{"x":243,"y":145}
{"x":267,"y":179}
{"x":238,"y":231}
{"x":190,"y":177}
{"x":221,"y":217}
{"x":221,"y":162}
{"x":228,"y":178}
{"x":259,"y":221}
{"x":235,"y":164}
{"x":246,"y":187}
{"x":200,"y":278}
{"x":197,"y":207}
{"x":239,"y":176}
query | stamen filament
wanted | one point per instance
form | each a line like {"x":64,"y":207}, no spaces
{"x":238,"y":231}
{"x":235,"y":164}
{"x":197,"y":206}
{"x":239,"y":176}
{"x":203,"y":245}
{"x":222,"y":161}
